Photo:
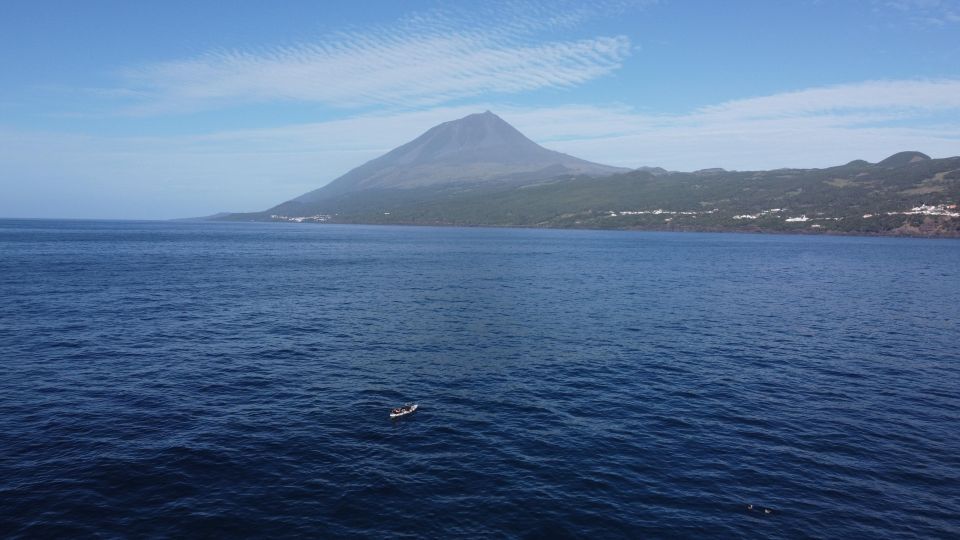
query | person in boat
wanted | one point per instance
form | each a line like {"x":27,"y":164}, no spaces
{"x":404,"y":409}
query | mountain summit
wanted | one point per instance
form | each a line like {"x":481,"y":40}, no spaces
{"x":479,"y":137}
{"x":904,"y":158}
{"x":476,"y":149}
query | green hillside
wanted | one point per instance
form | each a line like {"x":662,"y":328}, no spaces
{"x":834,"y":200}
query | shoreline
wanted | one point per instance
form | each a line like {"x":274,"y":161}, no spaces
{"x":950,"y":235}
{"x":942,"y":236}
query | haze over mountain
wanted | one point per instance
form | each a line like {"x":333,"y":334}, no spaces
{"x":479,"y":170}
{"x":477,"y":149}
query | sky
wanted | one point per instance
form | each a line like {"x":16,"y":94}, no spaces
{"x":137,"y":110}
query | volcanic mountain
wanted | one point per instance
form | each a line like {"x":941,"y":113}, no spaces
{"x":479,"y":170}
{"x":474,"y":152}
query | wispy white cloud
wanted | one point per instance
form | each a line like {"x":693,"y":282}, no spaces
{"x":865,"y":97}
{"x":252,"y":169}
{"x":935,"y":13}
{"x":425,"y":59}
{"x":815,"y":127}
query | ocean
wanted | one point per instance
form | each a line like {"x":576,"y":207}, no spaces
{"x":175,"y":379}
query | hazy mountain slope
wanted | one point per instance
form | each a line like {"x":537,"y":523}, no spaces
{"x":479,"y":148}
{"x":806,"y":200}
{"x":479,"y":170}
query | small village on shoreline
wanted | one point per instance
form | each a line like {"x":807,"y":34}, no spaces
{"x":816,"y":221}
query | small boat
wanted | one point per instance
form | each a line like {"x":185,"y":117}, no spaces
{"x":403,"y":411}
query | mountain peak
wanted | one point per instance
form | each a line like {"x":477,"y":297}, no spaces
{"x":904,"y":158}
{"x":462,"y":147}
{"x":479,"y":130}
{"x":478,"y":148}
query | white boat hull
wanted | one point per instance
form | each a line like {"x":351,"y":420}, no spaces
{"x":404,"y":413}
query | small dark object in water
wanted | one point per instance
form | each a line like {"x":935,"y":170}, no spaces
{"x":403,"y":411}
{"x":751,"y":508}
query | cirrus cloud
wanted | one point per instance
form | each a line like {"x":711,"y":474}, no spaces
{"x":428,"y":59}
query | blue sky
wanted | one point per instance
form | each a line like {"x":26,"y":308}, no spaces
{"x":171,"y":109}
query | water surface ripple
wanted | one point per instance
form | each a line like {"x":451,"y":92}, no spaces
{"x":196,"y":380}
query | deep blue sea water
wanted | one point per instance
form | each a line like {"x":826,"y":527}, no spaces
{"x":233,"y":380}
